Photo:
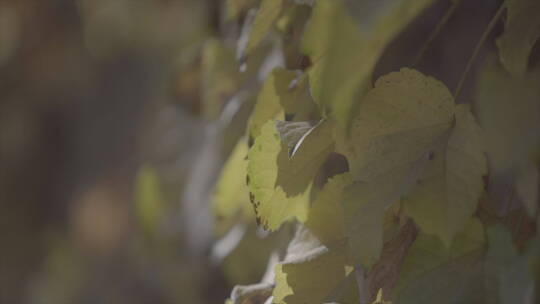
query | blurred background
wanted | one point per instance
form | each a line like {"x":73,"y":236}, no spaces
{"x":99,"y":125}
{"x":115,"y":120}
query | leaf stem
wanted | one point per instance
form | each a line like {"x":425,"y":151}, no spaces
{"x":442,"y":23}
{"x":486,"y":33}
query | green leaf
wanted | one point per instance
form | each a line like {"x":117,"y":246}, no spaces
{"x":297,"y":101}
{"x":346,"y":291}
{"x":333,"y":42}
{"x":365,"y":205}
{"x":508,"y":110}
{"x":405,"y":118}
{"x":280,"y":185}
{"x":432,"y":273}
{"x":271,"y":203}
{"x":230,"y":200}
{"x":344,"y":52}
{"x":274,"y":98}
{"x":448,"y":194}
{"x":234,"y":8}
{"x":310,"y":274}
{"x":428,"y":253}
{"x":455,"y":282}
{"x":266,"y":16}
{"x":326,"y":218}
{"x":379,"y":299}
{"x":521,"y":31}
{"x":252,"y":250}
{"x":397,"y":122}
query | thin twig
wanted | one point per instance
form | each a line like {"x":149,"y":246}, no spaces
{"x":486,"y":33}
{"x":442,"y":23}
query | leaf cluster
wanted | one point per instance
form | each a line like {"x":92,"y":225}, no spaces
{"x":397,"y":192}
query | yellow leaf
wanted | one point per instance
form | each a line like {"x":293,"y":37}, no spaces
{"x":408,"y":117}
{"x":280,"y":185}
{"x":379,"y":299}
{"x":234,"y":8}
{"x":326,"y":218}
{"x":273,"y":99}
{"x":344,"y":51}
{"x":266,"y":16}
{"x":230,"y":200}
{"x":310,"y":274}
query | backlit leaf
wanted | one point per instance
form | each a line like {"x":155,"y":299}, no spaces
{"x":230,"y":200}
{"x":280,"y":185}
{"x":398,"y":121}
{"x":266,"y":16}
{"x":447,"y":195}
{"x":326,"y":218}
{"x":365,"y":205}
{"x":408,"y":117}
{"x":397,"y":125}
{"x":234,"y":8}
{"x":344,"y":52}
{"x":275,"y":97}
{"x":379,"y":299}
